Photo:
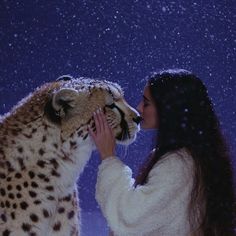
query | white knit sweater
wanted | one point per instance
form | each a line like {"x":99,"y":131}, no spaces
{"x":157,"y":208}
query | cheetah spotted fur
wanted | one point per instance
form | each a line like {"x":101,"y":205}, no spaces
{"x":44,"y":147}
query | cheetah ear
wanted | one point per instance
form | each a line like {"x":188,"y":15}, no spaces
{"x":60,"y":104}
{"x":63,"y":100}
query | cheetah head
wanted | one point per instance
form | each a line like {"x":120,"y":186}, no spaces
{"x":72,"y":104}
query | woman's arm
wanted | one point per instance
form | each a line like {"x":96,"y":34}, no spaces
{"x":147,"y":207}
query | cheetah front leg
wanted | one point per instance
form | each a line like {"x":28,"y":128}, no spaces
{"x":67,"y":218}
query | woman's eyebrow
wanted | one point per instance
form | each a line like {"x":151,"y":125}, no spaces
{"x":146,"y":98}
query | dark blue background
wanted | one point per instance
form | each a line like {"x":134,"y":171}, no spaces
{"x":121,"y":41}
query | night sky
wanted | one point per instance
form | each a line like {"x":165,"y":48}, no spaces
{"x":121,"y":41}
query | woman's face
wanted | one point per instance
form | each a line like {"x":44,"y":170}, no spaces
{"x":148,"y":111}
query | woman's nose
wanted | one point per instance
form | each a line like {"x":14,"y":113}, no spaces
{"x":139,"y":108}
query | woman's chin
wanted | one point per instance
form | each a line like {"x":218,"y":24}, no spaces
{"x":142,"y":125}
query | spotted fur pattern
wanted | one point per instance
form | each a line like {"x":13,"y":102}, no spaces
{"x":44,"y":146}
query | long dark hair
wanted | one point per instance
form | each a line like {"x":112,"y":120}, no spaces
{"x":187,"y":119}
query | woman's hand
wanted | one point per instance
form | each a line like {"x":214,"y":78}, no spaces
{"x":104,"y":136}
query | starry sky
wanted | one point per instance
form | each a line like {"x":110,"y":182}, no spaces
{"x":122,"y":41}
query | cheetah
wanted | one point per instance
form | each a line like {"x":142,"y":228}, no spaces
{"x":44,"y":147}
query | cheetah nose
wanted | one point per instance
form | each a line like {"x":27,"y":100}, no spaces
{"x":137,"y":119}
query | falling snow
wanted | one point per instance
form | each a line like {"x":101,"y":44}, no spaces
{"x":121,"y":41}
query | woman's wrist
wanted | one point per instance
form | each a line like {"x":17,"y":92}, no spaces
{"x":107,"y":155}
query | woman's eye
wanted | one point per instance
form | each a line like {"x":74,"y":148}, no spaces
{"x":145,"y":104}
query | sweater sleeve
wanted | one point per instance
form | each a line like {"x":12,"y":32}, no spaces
{"x":130,"y":210}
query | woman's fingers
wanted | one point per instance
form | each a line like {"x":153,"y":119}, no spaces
{"x":107,"y":127}
{"x":97,"y":122}
{"x":105,"y":123}
{"x":100,"y":119}
{"x":110,"y":130}
{"x":101,"y":124}
{"x":90,"y":130}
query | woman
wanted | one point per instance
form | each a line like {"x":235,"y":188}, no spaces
{"x":186,"y":186}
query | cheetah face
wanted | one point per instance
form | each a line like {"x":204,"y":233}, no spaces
{"x":73,"y":104}
{"x":123,"y":119}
